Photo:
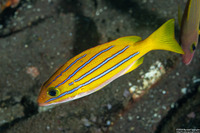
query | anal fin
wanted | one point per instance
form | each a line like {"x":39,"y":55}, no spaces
{"x":135,"y":65}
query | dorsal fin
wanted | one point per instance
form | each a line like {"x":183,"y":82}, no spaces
{"x":132,"y":39}
{"x":189,"y":7}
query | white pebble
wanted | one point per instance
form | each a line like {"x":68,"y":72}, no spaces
{"x":184,"y":90}
{"x":130,"y":118}
{"x":172,"y":105}
{"x":129,"y":83}
{"x":29,"y":6}
{"x":163,"y":92}
{"x":109,"y":106}
{"x":108,"y":123}
{"x":155,"y":115}
{"x":132,"y":89}
{"x":86,"y":122}
{"x":164,"y":107}
{"x":48,"y":127}
{"x":26,"y":46}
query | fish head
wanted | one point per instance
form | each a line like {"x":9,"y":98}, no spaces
{"x":46,"y":94}
{"x":189,"y":45}
{"x":187,"y":57}
{"x":50,"y":95}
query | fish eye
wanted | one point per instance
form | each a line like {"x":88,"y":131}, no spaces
{"x":53,"y":92}
{"x":193,"y":47}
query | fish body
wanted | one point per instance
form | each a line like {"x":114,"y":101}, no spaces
{"x":190,"y":30}
{"x":96,"y":67}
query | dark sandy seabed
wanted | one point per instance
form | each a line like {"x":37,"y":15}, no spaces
{"x":38,"y":36}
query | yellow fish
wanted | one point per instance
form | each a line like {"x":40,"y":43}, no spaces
{"x":96,"y":67}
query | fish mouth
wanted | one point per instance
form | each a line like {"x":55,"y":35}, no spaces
{"x":41,"y":102}
{"x":187,"y":58}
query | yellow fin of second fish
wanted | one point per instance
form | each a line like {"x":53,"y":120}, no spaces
{"x":189,"y":8}
{"x":135,"y":65}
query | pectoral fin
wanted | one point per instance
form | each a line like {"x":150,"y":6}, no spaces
{"x":135,"y":65}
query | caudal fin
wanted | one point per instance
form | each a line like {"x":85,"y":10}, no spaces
{"x":163,"y":38}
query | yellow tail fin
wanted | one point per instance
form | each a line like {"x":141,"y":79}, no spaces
{"x":163,"y":38}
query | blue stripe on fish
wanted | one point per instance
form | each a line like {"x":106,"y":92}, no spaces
{"x":71,"y":83}
{"x":101,"y":64}
{"x":66,"y":69}
{"x":95,"y":78}
{"x":70,"y":76}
